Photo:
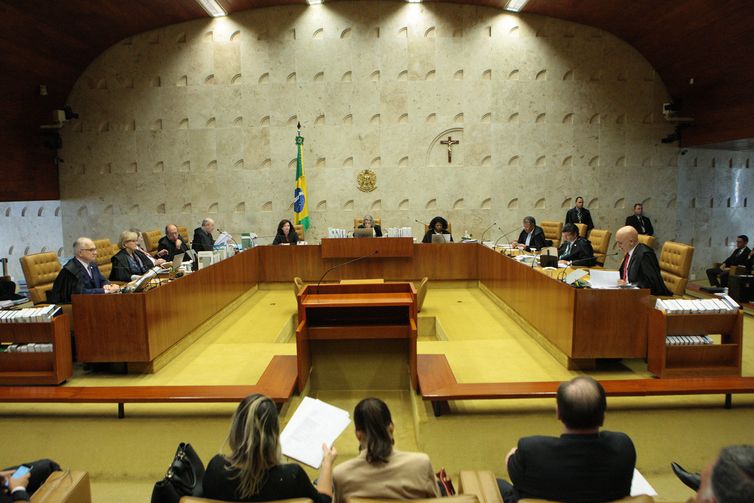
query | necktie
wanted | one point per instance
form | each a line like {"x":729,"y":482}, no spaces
{"x":624,"y":267}
{"x":578,"y":215}
{"x":93,"y":276}
{"x":641,"y":224}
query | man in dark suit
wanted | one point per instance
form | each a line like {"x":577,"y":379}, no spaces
{"x":80,"y":275}
{"x":574,"y":248}
{"x":172,"y":242}
{"x":203,"y":240}
{"x":639,"y":222}
{"x":583,"y":464}
{"x":580,"y":215}
{"x":639,"y":266}
{"x":21,"y":488}
{"x":718,"y":276}
{"x":532,"y":236}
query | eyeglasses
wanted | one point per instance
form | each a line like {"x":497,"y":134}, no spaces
{"x":89,"y":249}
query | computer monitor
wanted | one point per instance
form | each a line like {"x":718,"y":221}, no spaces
{"x":440,"y":238}
{"x":363,"y":232}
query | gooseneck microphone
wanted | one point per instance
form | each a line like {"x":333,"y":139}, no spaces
{"x":481,"y":239}
{"x":504,"y":236}
{"x":375,"y":252}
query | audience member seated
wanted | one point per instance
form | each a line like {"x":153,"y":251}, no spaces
{"x":532,"y":236}
{"x":380,"y":471}
{"x":639,"y":266}
{"x":580,"y":215}
{"x":253,"y":470}
{"x":20,"y":489}
{"x":80,"y":275}
{"x":584,"y":464}
{"x":129,"y":261}
{"x":728,"y":479}
{"x":172,"y":242}
{"x":203,"y":240}
{"x":368,"y":223}
{"x":718,"y":276}
{"x":574,"y":248}
{"x":437,"y":225}
{"x":286,"y":234}
{"x":639,"y":222}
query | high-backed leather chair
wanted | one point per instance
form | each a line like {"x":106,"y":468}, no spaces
{"x":426,"y":228}
{"x":105,"y":252}
{"x":40,"y":271}
{"x":647,"y":240}
{"x":582,"y":229}
{"x":183,"y":232}
{"x":600,"y":239}
{"x":67,"y":486}
{"x":195,"y":499}
{"x":421,"y":293}
{"x":151,"y":240}
{"x":675,"y":263}
{"x":553,"y":231}
{"x":299,"y":228}
{"x":359,"y":221}
{"x":480,"y":483}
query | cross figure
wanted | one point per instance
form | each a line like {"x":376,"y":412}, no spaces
{"x":450,"y":142}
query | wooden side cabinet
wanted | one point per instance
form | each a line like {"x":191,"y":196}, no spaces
{"x":37,"y":368}
{"x":723,"y":359}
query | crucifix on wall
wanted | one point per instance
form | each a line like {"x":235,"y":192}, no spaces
{"x":450,"y":142}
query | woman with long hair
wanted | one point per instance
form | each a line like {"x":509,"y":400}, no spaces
{"x":380,"y":471}
{"x":286,"y":234}
{"x":253,"y":470}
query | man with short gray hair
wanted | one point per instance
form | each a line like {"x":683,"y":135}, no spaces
{"x":203,"y":240}
{"x":80,"y":275}
{"x":728,"y":479}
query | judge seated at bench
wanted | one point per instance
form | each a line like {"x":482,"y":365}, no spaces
{"x":80,"y":275}
{"x":172,"y":242}
{"x":286,"y":234}
{"x":203,"y":240}
{"x":129,"y":261}
{"x":368,"y":223}
{"x":575,"y":249}
{"x":532,"y":236}
{"x":437,"y":226}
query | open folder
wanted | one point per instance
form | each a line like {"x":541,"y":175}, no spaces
{"x":314,"y":423}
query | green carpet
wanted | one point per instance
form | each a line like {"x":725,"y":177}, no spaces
{"x":125,"y":457}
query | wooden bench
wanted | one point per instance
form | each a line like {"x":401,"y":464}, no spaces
{"x":438,"y":384}
{"x":277,"y":382}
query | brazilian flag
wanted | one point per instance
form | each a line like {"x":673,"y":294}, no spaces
{"x":300,"y":203}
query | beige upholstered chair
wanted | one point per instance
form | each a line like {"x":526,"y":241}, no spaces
{"x":194,"y":499}
{"x":67,"y":486}
{"x":421,"y":293}
{"x":359,"y":221}
{"x":184,"y":233}
{"x":480,"y":483}
{"x":298,"y":285}
{"x":299,"y":228}
{"x":151,"y":240}
{"x":40,"y":271}
{"x":105,"y":252}
{"x":582,"y":229}
{"x":675,"y":263}
{"x":647,"y":240}
{"x":600,"y":239}
{"x":553,"y":231}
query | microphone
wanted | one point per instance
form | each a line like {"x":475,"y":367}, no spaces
{"x":420,"y":222}
{"x":504,"y":236}
{"x":481,"y":240}
{"x":592,"y":258}
{"x":375,"y":252}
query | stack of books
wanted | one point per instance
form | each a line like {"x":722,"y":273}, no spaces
{"x":723,"y":304}
{"x":687,"y":340}
{"x":26,"y":348}
{"x":30,"y":314}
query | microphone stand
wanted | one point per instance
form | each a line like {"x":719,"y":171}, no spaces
{"x":375,"y":252}
{"x":481,"y":240}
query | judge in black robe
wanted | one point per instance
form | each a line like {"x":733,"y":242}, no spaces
{"x":640,"y":266}
{"x":574,"y":248}
{"x":532,"y":236}
{"x":203,"y":240}
{"x":172,"y":242}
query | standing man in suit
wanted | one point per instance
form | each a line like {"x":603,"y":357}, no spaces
{"x":532,"y":235}
{"x":583,"y":463}
{"x":203,"y":240}
{"x":575,"y":248}
{"x":639,"y":222}
{"x":640,"y":264}
{"x":80,"y":275}
{"x":718,"y":276}
{"x":172,"y":242}
{"x":580,"y":215}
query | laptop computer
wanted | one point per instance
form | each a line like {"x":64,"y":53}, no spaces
{"x":363,"y":232}
{"x":440,"y":238}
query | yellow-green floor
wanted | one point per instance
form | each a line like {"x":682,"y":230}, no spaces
{"x":125,"y":457}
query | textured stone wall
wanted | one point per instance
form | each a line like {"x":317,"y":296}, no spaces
{"x":198,"y":119}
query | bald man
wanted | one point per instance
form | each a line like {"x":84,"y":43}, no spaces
{"x":639,"y":266}
{"x":203,"y":240}
{"x":80,"y":275}
{"x":172,"y":242}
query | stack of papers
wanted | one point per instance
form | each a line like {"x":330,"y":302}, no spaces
{"x":314,"y":423}
{"x":697,"y":306}
{"x":599,"y":278}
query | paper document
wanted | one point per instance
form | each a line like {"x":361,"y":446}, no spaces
{"x":599,"y":278}
{"x":639,"y":485}
{"x":575,"y":276}
{"x":314,"y":423}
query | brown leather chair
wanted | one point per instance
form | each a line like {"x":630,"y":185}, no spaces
{"x":480,"y":483}
{"x":299,"y":228}
{"x":40,"y":271}
{"x":647,"y":240}
{"x":359,"y":221}
{"x":183,"y":232}
{"x":194,"y":499}
{"x":66,"y":486}
{"x":553,"y":231}
{"x":582,"y":229}
{"x":105,"y":252}
{"x":600,"y":239}
{"x":152,"y":239}
{"x":421,"y":293}
{"x":675,"y":263}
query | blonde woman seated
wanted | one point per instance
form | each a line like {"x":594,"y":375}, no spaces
{"x":380,"y":471}
{"x":368,"y":223}
{"x":253,"y":470}
{"x":130,"y":260}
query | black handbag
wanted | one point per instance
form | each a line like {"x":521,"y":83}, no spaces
{"x":184,"y":477}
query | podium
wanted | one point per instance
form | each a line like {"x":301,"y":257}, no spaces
{"x":352,"y":312}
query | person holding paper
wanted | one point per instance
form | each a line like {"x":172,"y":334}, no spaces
{"x":640,"y":264}
{"x":582,"y":464}
{"x":574,"y":248}
{"x":380,"y":471}
{"x":532,"y":235}
{"x":286,"y":234}
{"x":253,"y":470}
{"x":437,"y":225}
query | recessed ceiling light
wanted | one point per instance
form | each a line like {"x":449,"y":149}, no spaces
{"x":414,"y":1}
{"x":515,"y":5}
{"x":314,"y":2}
{"x":212,"y":8}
